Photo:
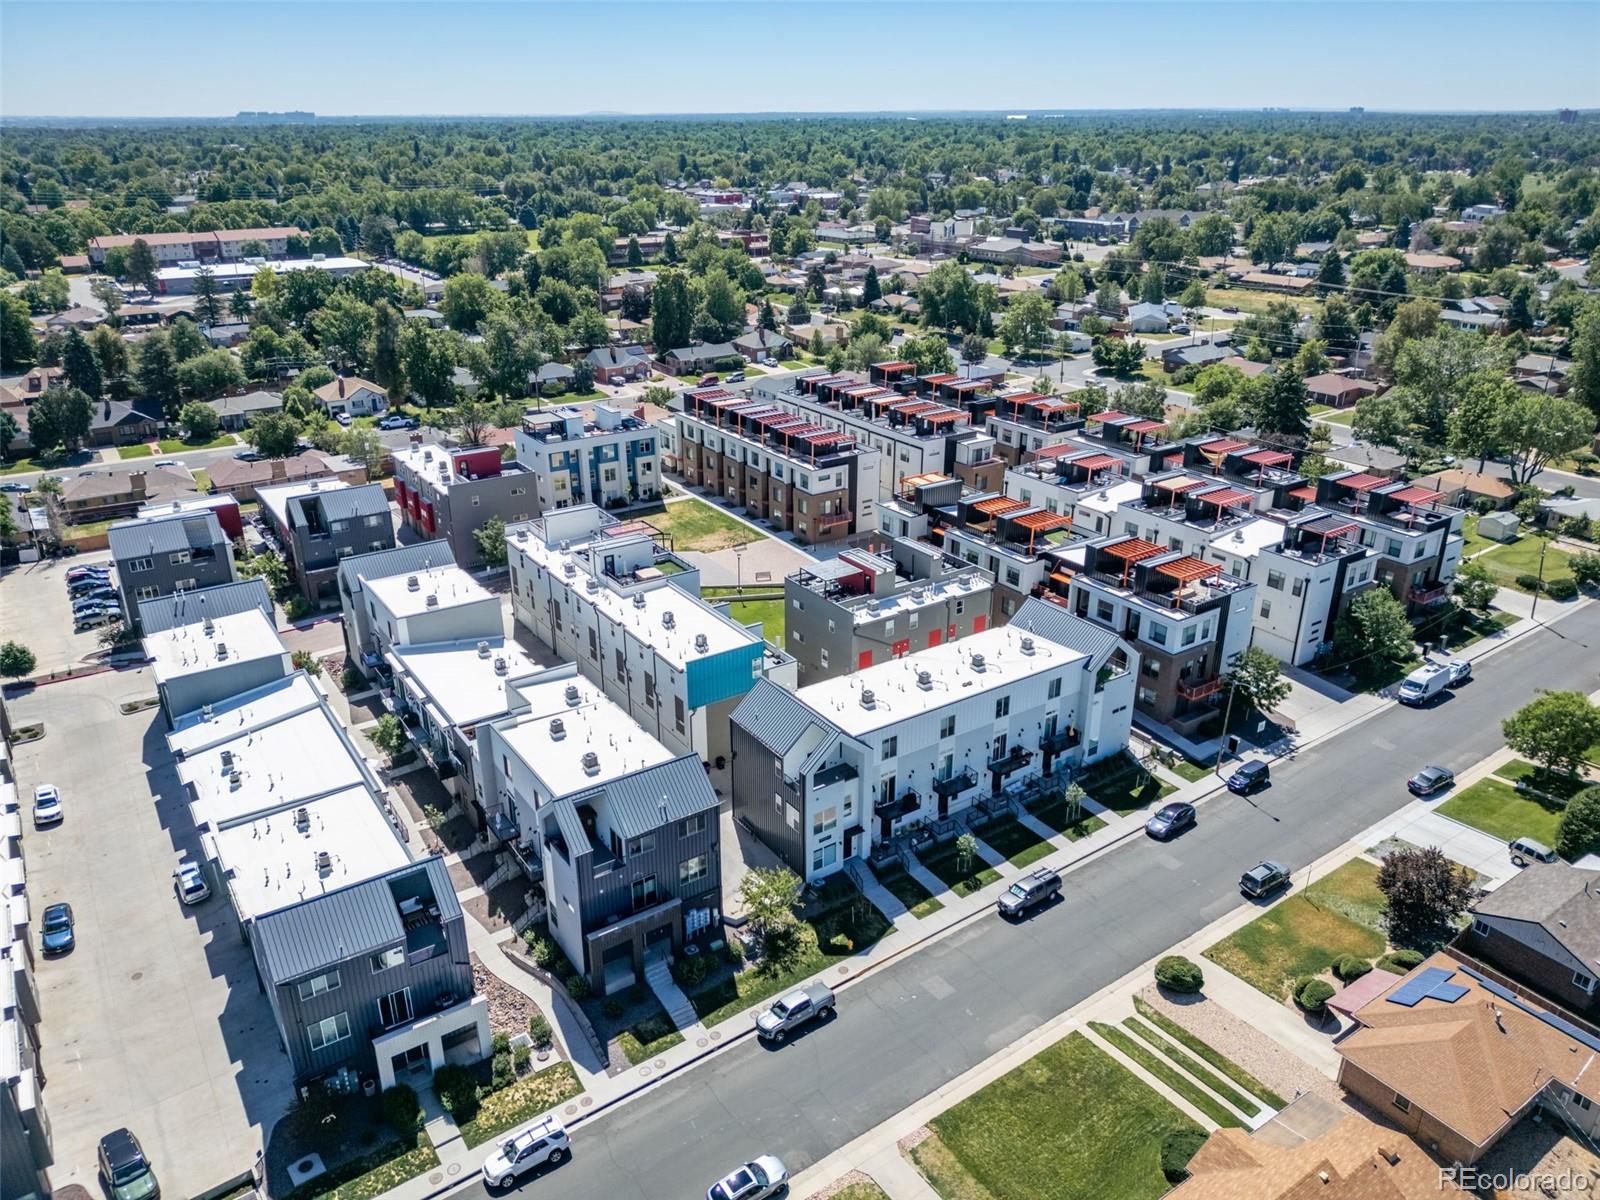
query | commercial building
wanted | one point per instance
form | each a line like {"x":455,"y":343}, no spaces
{"x":451,"y":494}
{"x":215,"y":246}
{"x":608,"y":457}
{"x":783,"y":469}
{"x":607,"y":596}
{"x":826,"y":774}
{"x":214,"y":658}
{"x":362,"y":647}
{"x":621,"y":833}
{"x":183,"y":279}
{"x":173,"y":554}
{"x":847,"y":613}
{"x":321,"y":522}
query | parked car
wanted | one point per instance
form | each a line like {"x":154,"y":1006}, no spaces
{"x":1030,"y":891}
{"x":1430,"y":780}
{"x":707,"y":380}
{"x":126,"y":1169}
{"x":1263,"y":879}
{"x":1423,"y":684}
{"x":93,"y":620}
{"x":397,"y":421}
{"x":812,"y":1002}
{"x":1525,"y":850}
{"x":1460,"y":671}
{"x":545,"y":1142}
{"x":735,"y":377}
{"x":343,"y":418}
{"x":1170,"y":820}
{"x":15,"y":488}
{"x":46,"y":806}
{"x":169,"y":462}
{"x":189,"y":882}
{"x":55,"y":929}
{"x":756,"y":1180}
{"x":1250,"y":776}
{"x":249,"y":456}
{"x":90,"y":595}
{"x":87,"y":571}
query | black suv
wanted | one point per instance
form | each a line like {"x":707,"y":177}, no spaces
{"x":1263,"y":879}
{"x":1250,"y":776}
{"x":126,"y":1169}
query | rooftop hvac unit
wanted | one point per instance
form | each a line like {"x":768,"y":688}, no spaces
{"x":1027,"y":645}
{"x":227,"y":760}
{"x":925,"y":680}
{"x":432,"y":601}
{"x":869,"y":698}
{"x":208,"y":626}
{"x":324,"y":862}
{"x":668,"y":621}
{"x":558,"y":729}
{"x":302,"y":819}
{"x":501,"y":666}
{"x":591,"y":584}
{"x":638,"y":600}
{"x":591,"y":763}
{"x":977,"y":662}
{"x":413,"y":584}
{"x":234,"y":780}
{"x":572,"y":693}
{"x":569,"y":568}
{"x":205,"y":712}
{"x":222,"y":650}
{"x":702,"y":643}
{"x":483,"y":649}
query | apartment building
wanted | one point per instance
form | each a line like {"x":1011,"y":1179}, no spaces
{"x":362,"y":648}
{"x":607,"y":596}
{"x":26,"y":1153}
{"x":783,"y":469}
{"x":825,"y":774}
{"x":222,"y":245}
{"x":847,"y":613}
{"x":214,"y":658}
{"x":607,"y":456}
{"x":622,"y":833}
{"x":1086,"y":485}
{"x":431,"y":604}
{"x":173,"y":554}
{"x":1417,"y":539}
{"x":1024,"y":422}
{"x":319,"y":523}
{"x":451,"y":494}
{"x":223,"y":600}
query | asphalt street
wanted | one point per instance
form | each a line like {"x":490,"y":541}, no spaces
{"x":910,"y":1028}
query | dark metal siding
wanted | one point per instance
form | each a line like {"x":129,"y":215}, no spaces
{"x":755,"y":780}
{"x":606,"y":894}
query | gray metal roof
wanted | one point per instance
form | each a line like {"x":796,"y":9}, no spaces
{"x":365,"y":917}
{"x":186,"y":608}
{"x":1053,"y":621}
{"x":136,"y":539}
{"x":401,"y":560}
{"x":343,"y":504}
{"x":670,"y":791}
{"x":774,"y":717}
{"x":570,"y":824}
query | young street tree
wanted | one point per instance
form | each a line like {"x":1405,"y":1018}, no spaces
{"x":1475,"y":585}
{"x":1426,"y":894}
{"x":16,"y":660}
{"x":1257,"y":680}
{"x":1556,"y":730}
{"x":1375,"y":628}
{"x":491,"y":541}
{"x":771,"y":895}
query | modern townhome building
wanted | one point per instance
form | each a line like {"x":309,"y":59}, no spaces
{"x":223,"y":600}
{"x":221,"y":503}
{"x":373,"y":980}
{"x":26,"y":1152}
{"x":1417,"y":539}
{"x":847,"y":613}
{"x":824,"y":774}
{"x":598,"y":592}
{"x":1087,"y":485}
{"x":1540,"y":930}
{"x":174,"y":554}
{"x":1028,"y":422}
{"x":214,"y":658}
{"x":362,"y":648}
{"x":607,"y":456}
{"x":433,"y":604}
{"x":621,"y":834}
{"x":1188,"y":618}
{"x":319,"y":523}
{"x":782,"y":469}
{"x":451,"y":494}
{"x":1456,"y":1060}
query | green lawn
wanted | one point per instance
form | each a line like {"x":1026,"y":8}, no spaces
{"x":140,"y":451}
{"x":1556,"y":785}
{"x":943,"y":862}
{"x":907,"y":889}
{"x":1501,"y":811}
{"x":1203,"y":1050}
{"x":372,"y":1174}
{"x":1339,"y":914}
{"x":1014,"y":840}
{"x":1071,"y":1123}
{"x":1337,"y":416}
{"x":695,"y":525}
{"x":646,"y":1038}
{"x":1521,"y":557}
{"x":1122,"y":785}
{"x":1075,"y":824}
{"x":768,"y":612}
{"x":1142,"y":1031}
{"x":174,"y":445}
{"x":1167,"y":1074}
{"x":1471,"y":540}
{"x":1248,"y":301}
{"x":1188,"y":771}
{"x":1469,"y":627}
{"x":202,"y":479}
{"x":520,"y":1102}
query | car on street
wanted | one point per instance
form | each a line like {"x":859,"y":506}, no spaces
{"x":1460,"y":671}
{"x":1170,"y":820}
{"x":1250,"y":776}
{"x":397,"y":421}
{"x":55,"y":929}
{"x":125,"y":1168}
{"x":545,"y":1142}
{"x":1032,"y":890}
{"x":1430,"y":780}
{"x":1525,"y":850}
{"x":756,"y":1180}
{"x":46,"y":806}
{"x":249,"y":456}
{"x":1424,"y":684}
{"x":169,"y":462}
{"x":189,"y":882}
{"x":1263,"y":879}
{"x":734,"y":377}
{"x":17,"y":488}
{"x":813,"y":1002}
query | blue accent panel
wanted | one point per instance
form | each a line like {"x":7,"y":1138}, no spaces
{"x":722,"y":676}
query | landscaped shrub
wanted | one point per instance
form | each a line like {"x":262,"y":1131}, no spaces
{"x":734,"y":949}
{"x":539,"y":1030}
{"x":400,"y":1108}
{"x":457,"y":1091}
{"x":841,"y":944}
{"x":1314,"y":996}
{"x":500,"y":1043}
{"x":1351,"y":967}
{"x":579,"y":987}
{"x":1530,"y":583}
{"x":1177,"y":1148}
{"x":1561,"y":589}
{"x":1178,"y":974}
{"x":1578,"y":831}
{"x":612,"y":1008}
{"x":1401,"y":961}
{"x":691,"y":972}
{"x":502,"y":1074}
{"x":521,"y":1056}
{"x":540,"y":949}
{"x":350,"y":680}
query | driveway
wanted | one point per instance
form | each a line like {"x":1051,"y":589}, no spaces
{"x":36,"y":611}
{"x":155,"y":1021}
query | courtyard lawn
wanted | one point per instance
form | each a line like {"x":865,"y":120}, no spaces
{"x":1188,"y":771}
{"x":693,"y":524}
{"x":907,"y":889}
{"x":645,"y":1039}
{"x":1521,"y":557}
{"x":1014,"y":840}
{"x":1501,"y":811}
{"x":1074,"y":823}
{"x":139,"y":451}
{"x":945,"y":863}
{"x":1339,"y":914}
{"x":769,"y":613}
{"x":1122,"y":785}
{"x":1071,"y":1123}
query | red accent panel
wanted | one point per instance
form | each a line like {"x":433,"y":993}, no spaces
{"x":935,"y":636}
{"x":864,"y":660}
{"x":903,"y":646}
{"x":980,"y":623}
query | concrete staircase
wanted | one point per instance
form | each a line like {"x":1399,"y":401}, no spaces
{"x":659,"y":976}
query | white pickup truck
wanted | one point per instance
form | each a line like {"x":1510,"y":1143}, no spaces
{"x":811,"y":1002}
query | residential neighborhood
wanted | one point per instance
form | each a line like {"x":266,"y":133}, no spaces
{"x":936,"y":653}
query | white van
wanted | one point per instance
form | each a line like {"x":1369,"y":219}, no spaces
{"x":1423,"y":684}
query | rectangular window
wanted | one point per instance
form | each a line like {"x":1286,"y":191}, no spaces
{"x":825,"y":856}
{"x":823,"y":654}
{"x":1158,"y":633}
{"x":317,"y":985}
{"x":1266,"y":607}
{"x":641,"y":845}
{"x":1481,"y":928}
{"x":677,"y":712}
{"x":328,"y":1031}
{"x":692,"y":826}
{"x":1055,"y":688}
{"x":947,"y":726}
{"x":1402,"y":1103}
{"x":694,"y":870}
{"x":1275,"y":580}
{"x":891,"y":747}
{"x":1189,"y":634}
{"x":791,"y":816}
{"x":395,"y":1008}
{"x":825,"y":821}
{"x":1002,"y":707}
{"x":140,"y":564}
{"x":388,"y":958}
{"x":1102,"y":610}
{"x":1580,"y":980}
{"x":149,"y":592}
{"x":1298,"y":588}
{"x":644,"y":892}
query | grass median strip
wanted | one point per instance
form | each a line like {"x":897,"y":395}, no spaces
{"x":1167,"y":1074}
{"x":1215,"y":1057}
{"x":904,"y":887}
{"x":521,"y":1101}
{"x":1245,"y":1105}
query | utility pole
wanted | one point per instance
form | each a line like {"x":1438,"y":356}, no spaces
{"x":1543,"y":547}
{"x":1222,"y":745}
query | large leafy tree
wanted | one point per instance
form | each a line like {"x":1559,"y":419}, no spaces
{"x":429,"y":365}
{"x":19,"y":347}
{"x":1556,"y":730}
{"x":1280,"y":406}
{"x":156,"y":372}
{"x":1256,"y":679}
{"x":1374,"y":629}
{"x":60,"y":417}
{"x":274,"y":434}
{"x":81,"y":366}
{"x":1537,"y":429}
{"x":671,"y":312}
{"x":1027,"y":324}
{"x":140,"y":266}
{"x":1425,"y":895}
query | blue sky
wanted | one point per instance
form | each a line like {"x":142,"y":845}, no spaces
{"x":214,"y":57}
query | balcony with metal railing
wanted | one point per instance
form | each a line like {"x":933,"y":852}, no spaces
{"x":954,"y":785}
{"x":1058,"y":741}
{"x":1201,"y":690}
{"x":1011,"y":761}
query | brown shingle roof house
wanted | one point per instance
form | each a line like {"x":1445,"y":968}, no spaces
{"x":1456,"y":1060}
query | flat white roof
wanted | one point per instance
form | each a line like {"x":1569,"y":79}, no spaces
{"x":229,"y":718}
{"x":218,"y":642}
{"x":450,"y":585}
{"x":462,"y":682}
{"x":276,"y":499}
{"x":1107,"y":499}
{"x":278,"y":266}
{"x":897,"y":697}
{"x":590,"y":723}
{"x":1247,"y":539}
{"x":913,"y":599}
{"x":184,"y":504}
{"x":271,"y":861}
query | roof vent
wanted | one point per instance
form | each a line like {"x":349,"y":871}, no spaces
{"x":208,"y":626}
{"x":558,"y":729}
{"x":591,"y":763}
{"x":572,"y":693}
{"x":432,"y":601}
{"x":977,"y":662}
{"x":227,"y":760}
{"x":302,"y":819}
{"x":668,"y":621}
{"x":925,"y":680}
{"x":1027,"y":645}
{"x":501,"y":666}
{"x":868,"y":698}
{"x":324,"y":863}
{"x":638,"y":600}
{"x":413,"y":584}
{"x":205,"y":712}
{"x":569,"y":568}
{"x":483,"y":649}
{"x":591,"y":584}
{"x":222,"y":651}
{"x":701,"y":643}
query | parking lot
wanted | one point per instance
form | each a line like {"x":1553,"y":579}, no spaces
{"x":36,"y":611}
{"x":155,"y":1020}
